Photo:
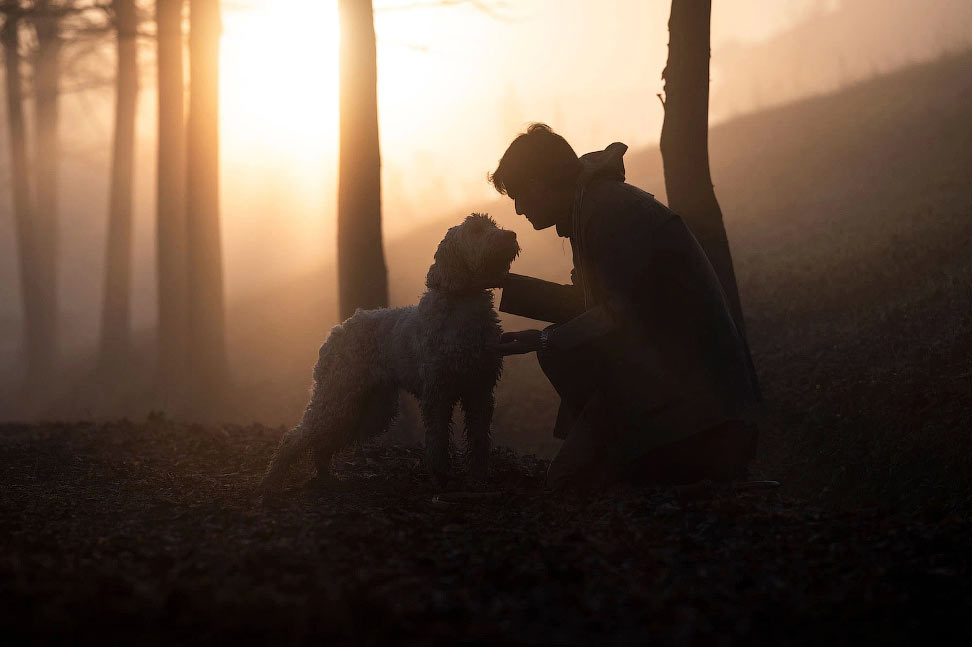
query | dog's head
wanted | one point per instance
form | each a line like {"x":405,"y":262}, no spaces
{"x":474,"y":255}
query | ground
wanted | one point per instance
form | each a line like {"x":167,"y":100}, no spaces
{"x":150,"y":532}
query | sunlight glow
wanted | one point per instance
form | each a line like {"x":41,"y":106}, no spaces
{"x":279,"y":76}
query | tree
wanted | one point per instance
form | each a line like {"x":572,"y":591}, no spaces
{"x":207,"y":338}
{"x":685,"y":140}
{"x":37,"y":285}
{"x":116,"y":314}
{"x":362,"y":276}
{"x":45,"y":17}
{"x":171,"y":199}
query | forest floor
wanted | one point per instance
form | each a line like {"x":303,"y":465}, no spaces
{"x":150,"y":532}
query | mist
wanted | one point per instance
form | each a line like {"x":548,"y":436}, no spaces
{"x":455,"y":85}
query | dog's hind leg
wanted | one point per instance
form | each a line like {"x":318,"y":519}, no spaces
{"x":377,"y":411}
{"x":294,"y":442}
{"x":437,"y":416}
{"x":380,"y":410}
{"x":477,"y":410}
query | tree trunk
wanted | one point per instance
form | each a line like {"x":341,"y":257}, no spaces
{"x":207,"y":341}
{"x":171,"y":202}
{"x":46,"y":68}
{"x":685,"y":140}
{"x":37,"y":297}
{"x":362,"y":277}
{"x":116,"y":315}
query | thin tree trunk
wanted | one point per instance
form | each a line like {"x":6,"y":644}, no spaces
{"x":207,"y":340}
{"x":685,"y":140}
{"x":171,"y":201}
{"x":46,"y":72}
{"x":116,"y":315}
{"x":362,"y":277}
{"x":38,"y":328}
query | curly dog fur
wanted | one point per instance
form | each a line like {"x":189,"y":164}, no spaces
{"x":438,"y":350}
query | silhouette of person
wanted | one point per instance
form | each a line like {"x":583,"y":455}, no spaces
{"x":655,"y":381}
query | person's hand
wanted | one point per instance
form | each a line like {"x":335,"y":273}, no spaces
{"x":519,"y":342}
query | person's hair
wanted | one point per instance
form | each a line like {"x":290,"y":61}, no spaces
{"x":538,"y":154}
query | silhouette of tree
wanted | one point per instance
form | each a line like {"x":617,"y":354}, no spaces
{"x":208,"y":368}
{"x":36,"y":280}
{"x":55,"y":25}
{"x":116,"y":313}
{"x":685,"y":140}
{"x":171,"y":200}
{"x":35,"y":188}
{"x":362,"y":276}
{"x":45,"y":18}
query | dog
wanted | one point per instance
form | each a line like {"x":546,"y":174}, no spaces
{"x":441,"y":350}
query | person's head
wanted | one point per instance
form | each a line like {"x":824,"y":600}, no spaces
{"x":538,"y":172}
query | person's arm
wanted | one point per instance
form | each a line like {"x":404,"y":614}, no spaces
{"x":584,"y":328}
{"x":541,"y":300}
{"x":581,"y":329}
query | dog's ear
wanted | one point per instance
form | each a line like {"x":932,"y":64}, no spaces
{"x":443,"y":278}
{"x":446,"y":273}
{"x":434,"y":280}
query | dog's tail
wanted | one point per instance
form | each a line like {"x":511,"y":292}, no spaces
{"x":292,"y":445}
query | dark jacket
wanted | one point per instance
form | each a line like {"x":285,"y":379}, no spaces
{"x":674,"y":363}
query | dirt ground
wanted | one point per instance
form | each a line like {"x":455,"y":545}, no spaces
{"x":149,"y":532}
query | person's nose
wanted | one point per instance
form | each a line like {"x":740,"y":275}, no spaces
{"x":518,"y":207}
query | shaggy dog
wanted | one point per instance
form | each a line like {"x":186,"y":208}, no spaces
{"x":440,"y":351}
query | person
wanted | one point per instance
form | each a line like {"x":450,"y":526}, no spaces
{"x":655,"y":380}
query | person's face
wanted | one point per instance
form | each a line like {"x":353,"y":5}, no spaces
{"x":542,"y":206}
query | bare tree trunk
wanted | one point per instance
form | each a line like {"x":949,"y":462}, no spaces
{"x":46,"y":68}
{"x":38,"y":303}
{"x":171,"y":202}
{"x":685,"y":140}
{"x":116,"y":315}
{"x":207,"y":337}
{"x":362,"y":277}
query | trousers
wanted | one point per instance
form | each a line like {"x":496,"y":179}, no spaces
{"x":601,"y":443}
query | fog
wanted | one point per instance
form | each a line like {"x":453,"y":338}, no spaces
{"x":455,"y":85}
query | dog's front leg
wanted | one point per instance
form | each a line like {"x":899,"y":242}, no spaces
{"x":478,"y":413}
{"x":437,"y":416}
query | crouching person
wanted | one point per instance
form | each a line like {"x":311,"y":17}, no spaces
{"x":655,"y":381}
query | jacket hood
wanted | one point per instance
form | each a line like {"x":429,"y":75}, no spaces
{"x":599,"y":165}
{"x":603,"y":165}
